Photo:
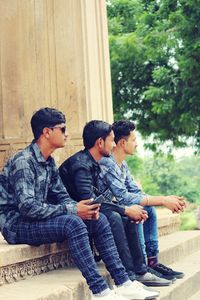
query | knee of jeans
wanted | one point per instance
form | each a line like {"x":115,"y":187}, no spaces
{"x":102,"y":222}
{"x":151,"y":211}
{"x":74,"y":225}
{"x":115,"y":217}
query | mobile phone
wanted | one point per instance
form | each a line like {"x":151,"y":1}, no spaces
{"x":99,"y":199}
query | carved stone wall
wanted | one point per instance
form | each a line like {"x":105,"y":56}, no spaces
{"x":19,"y":271}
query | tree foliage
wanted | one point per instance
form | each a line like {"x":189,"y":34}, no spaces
{"x":155,"y":55}
{"x":164,"y":176}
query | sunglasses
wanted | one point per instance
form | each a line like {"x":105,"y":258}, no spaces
{"x":62,"y":128}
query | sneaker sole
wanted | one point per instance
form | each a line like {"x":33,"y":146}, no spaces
{"x":147,"y":283}
{"x":170,"y":279}
{"x":147,"y":298}
{"x":179,"y":276}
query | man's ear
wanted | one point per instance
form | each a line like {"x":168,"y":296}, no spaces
{"x":122,"y":142}
{"x":99,"y":142}
{"x":46,"y":132}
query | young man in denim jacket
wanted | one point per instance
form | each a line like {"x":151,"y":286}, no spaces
{"x":115,"y":175}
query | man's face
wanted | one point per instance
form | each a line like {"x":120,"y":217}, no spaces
{"x":130,"y":143}
{"x":58,"y":135}
{"x":108,"y":145}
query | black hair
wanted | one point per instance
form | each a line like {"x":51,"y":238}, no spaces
{"x":45,"y":117}
{"x":122,"y":129}
{"x":94,"y":130}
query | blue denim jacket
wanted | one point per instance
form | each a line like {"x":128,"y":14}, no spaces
{"x":119,"y":181}
{"x":30,"y":187}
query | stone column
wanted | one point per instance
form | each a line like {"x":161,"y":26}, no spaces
{"x":52,"y":53}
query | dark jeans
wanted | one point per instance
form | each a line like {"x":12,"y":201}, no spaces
{"x":127,"y":241}
{"x":75,"y":231}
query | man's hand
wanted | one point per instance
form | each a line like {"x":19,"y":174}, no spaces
{"x":175,"y":203}
{"x":86,"y":211}
{"x":136,"y":213}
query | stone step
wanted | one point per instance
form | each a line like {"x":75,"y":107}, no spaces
{"x":19,"y":261}
{"x":186,"y":287}
{"x":62,"y":284}
{"x":167,"y":221}
{"x":195,"y":296}
{"x":68,"y":284}
{"x":177,"y":245}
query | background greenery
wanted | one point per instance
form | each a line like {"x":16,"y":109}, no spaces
{"x":155,"y":67}
{"x":162,"y":175}
{"x":155,"y":57}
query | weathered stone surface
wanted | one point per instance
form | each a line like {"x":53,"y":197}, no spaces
{"x":20,"y":261}
{"x":69,"y":284}
{"x":167,"y":221}
{"x":178,"y":245}
{"x":184,"y":288}
{"x":53,"y":53}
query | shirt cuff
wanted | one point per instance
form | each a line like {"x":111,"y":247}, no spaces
{"x":71,"y":209}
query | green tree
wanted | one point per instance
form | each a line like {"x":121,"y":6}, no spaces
{"x":162,"y":175}
{"x":155,"y":51}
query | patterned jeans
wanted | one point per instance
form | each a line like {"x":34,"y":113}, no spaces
{"x":75,"y":231}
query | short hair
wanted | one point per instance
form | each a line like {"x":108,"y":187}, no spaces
{"x":45,"y":117}
{"x":122,"y":129}
{"x":94,"y":130}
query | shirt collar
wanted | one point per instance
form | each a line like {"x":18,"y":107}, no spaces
{"x":38,"y":155}
{"x":123,"y":162}
{"x":94,"y":162}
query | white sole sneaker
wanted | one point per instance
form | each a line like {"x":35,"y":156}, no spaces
{"x":135,"y":291}
{"x":111,"y":296}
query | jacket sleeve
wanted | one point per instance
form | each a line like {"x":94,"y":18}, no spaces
{"x":84,"y":185}
{"x":83,"y":182}
{"x":110,"y":207}
{"x":58,"y":194}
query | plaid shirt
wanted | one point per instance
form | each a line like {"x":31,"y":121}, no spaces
{"x":119,"y":181}
{"x":30,"y":187}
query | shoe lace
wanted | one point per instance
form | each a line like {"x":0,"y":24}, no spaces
{"x":165,"y":268}
{"x":154,"y":272}
{"x":151,"y":276}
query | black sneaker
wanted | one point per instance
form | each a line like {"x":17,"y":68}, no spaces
{"x":158,"y":274}
{"x":167,"y":272}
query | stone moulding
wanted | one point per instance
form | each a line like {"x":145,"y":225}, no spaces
{"x":19,"y":271}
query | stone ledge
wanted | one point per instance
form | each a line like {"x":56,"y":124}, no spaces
{"x":69,"y":284}
{"x":167,"y":221}
{"x":11,"y":254}
{"x":59,"y":284}
{"x":178,"y":245}
{"x":19,"y":261}
{"x":184,"y":288}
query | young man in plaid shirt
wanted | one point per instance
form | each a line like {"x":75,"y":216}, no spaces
{"x":35,"y":209}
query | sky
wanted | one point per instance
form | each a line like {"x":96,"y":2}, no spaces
{"x":177,"y":153}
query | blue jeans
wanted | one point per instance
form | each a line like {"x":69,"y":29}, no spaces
{"x":75,"y":231}
{"x":148,"y":233}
